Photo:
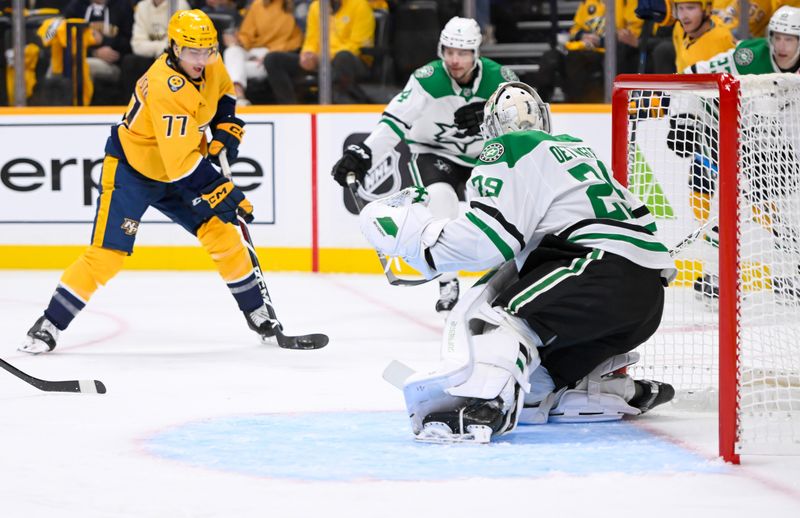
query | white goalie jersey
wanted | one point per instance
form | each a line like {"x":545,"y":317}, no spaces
{"x":529,"y":184}
{"x":422,"y":114}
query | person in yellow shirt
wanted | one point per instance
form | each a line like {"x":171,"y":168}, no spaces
{"x":268,"y":26}
{"x":697,"y":36}
{"x":727,"y":12}
{"x":578,"y":67}
{"x":352,"y":27}
{"x":158,"y":156}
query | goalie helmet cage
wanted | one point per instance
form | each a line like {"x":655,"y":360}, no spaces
{"x":718,"y":148}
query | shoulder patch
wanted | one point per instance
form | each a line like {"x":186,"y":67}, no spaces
{"x":743,"y":56}
{"x":423,"y":72}
{"x":175,"y":83}
{"x":508,"y":74}
{"x":492,"y":152}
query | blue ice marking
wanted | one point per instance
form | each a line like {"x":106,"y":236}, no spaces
{"x":350,"y":446}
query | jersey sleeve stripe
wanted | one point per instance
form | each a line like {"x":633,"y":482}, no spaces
{"x":392,"y":117}
{"x":394,"y":128}
{"x":504,"y":248}
{"x":495,"y":213}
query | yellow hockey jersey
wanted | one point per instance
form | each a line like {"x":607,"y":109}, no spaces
{"x":590,"y":17}
{"x":689,"y":51}
{"x":727,"y":12}
{"x":163,"y":131}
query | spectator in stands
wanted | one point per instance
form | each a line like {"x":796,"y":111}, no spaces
{"x":727,"y":12}
{"x":149,"y":39}
{"x":222,"y":7}
{"x":352,"y":28}
{"x":113,"y":19}
{"x":268,"y":26}
{"x":629,"y":30}
{"x":579,"y":66}
{"x":697,"y":36}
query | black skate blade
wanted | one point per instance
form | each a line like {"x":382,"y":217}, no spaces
{"x":302,"y":342}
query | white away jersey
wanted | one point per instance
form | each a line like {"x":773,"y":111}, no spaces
{"x":422,"y":114}
{"x":529,"y":184}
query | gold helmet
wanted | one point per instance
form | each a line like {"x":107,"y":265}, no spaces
{"x":193,"y":29}
{"x":705,"y":4}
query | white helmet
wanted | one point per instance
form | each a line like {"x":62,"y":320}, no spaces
{"x":514,"y":106}
{"x":785,"y":20}
{"x":460,"y":33}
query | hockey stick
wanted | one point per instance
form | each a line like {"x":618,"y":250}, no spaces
{"x":691,"y":238}
{"x":310,"y":341}
{"x":393,"y":279}
{"x":81,"y":386}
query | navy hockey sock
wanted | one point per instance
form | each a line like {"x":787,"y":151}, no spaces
{"x":63,"y":307}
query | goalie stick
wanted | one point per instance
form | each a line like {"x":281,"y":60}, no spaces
{"x":393,"y":279}
{"x":691,"y":238}
{"x":79,"y":386}
{"x":310,"y":341}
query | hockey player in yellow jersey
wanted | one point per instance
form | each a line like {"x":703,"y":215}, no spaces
{"x":158,"y":156}
{"x":697,"y":36}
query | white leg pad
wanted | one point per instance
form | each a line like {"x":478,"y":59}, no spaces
{"x":600,"y":396}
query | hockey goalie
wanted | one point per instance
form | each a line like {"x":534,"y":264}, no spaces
{"x":576,"y":282}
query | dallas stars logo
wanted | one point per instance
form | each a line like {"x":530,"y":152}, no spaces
{"x":450,"y":134}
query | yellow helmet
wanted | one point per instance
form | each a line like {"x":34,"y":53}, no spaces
{"x":193,"y":29}
{"x":704,"y":3}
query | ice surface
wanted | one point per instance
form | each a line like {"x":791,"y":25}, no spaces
{"x":201,"y":420}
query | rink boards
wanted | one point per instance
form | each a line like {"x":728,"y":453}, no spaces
{"x":50,"y":169}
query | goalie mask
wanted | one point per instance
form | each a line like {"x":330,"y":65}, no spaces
{"x":514,"y":106}
{"x":785,"y":20}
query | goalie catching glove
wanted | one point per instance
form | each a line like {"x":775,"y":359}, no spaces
{"x":227,"y":135}
{"x":357,"y":158}
{"x":401,"y":225}
{"x":469,"y":118}
{"x":225,"y":199}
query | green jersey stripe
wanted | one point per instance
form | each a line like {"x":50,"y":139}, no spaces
{"x":653,"y":246}
{"x":558,"y":275}
{"x":505,"y":249}
{"x":394,"y":127}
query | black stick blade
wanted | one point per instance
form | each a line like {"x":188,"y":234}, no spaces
{"x":302,"y":342}
{"x":80,"y":386}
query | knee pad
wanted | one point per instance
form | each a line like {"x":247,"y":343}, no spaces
{"x":224,"y":244}
{"x":94,"y":268}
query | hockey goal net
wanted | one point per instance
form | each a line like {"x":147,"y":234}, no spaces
{"x":717,"y":160}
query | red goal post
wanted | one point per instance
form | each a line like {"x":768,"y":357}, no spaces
{"x":644,"y":109}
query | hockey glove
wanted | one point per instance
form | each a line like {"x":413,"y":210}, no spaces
{"x":469,"y":118}
{"x":357,"y":158}
{"x":225,"y":199}
{"x":402,"y":225}
{"x":227,"y":135}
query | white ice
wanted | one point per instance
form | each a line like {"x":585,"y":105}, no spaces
{"x":173,"y":349}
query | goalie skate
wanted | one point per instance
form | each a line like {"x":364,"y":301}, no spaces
{"x":475,"y":422}
{"x":439,"y":433}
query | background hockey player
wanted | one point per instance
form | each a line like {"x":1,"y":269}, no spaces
{"x":778,"y":52}
{"x":158,"y":157}
{"x":589,"y":289}
{"x":697,"y":36}
{"x":693,"y":134}
{"x":439,"y":114}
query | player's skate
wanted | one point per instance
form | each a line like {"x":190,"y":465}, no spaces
{"x":650,"y":394}
{"x":448,"y":295}
{"x":261,"y":322}
{"x":41,"y":337}
{"x":474,"y":422}
{"x":706,"y":288}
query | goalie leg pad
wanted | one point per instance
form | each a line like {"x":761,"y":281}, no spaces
{"x":600,"y":396}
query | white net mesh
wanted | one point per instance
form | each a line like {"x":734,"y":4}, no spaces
{"x":673,"y":155}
